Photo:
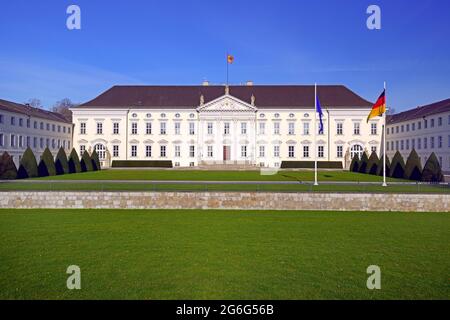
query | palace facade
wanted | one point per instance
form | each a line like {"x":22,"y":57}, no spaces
{"x":205,"y":125}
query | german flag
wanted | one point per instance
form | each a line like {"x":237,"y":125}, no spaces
{"x":230,"y":59}
{"x":379,"y":107}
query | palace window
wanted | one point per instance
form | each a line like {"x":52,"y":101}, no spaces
{"x":162,"y":128}
{"x":82,"y":149}
{"x":339,"y":151}
{"x":291,"y":151}
{"x":432,"y":123}
{"x":115,"y":128}
{"x":243,"y":151}
{"x":356,"y":128}
{"x":425,"y":123}
{"x":243,"y":127}
{"x":20,"y":122}
{"x":306,"y":128}
{"x":419,"y":125}
{"x":47,"y":125}
{"x":373,"y":128}
{"x":28,"y":123}
{"x":134,"y":150}
{"x":262,"y":128}
{"x":413,"y":126}
{"x":162,"y":151}
{"x":192,"y":151}
{"x":191,"y":128}
{"x":41,"y":143}
{"x":305,"y":151}
{"x":177,"y":128}
{"x":276,"y":151}
{"x":115,"y":151}
{"x":276,"y":128}
{"x":1,"y":140}
{"x":41,"y":126}
{"x":20,"y":141}
{"x":53,"y":127}
{"x":210,"y":127}
{"x":35,"y":142}
{"x":356,"y":150}
{"x":99,"y":128}
{"x":291,"y":128}
{"x":148,"y":151}
{"x":320,"y":152}
{"x":148,"y":128}
{"x":210,"y":151}
{"x":413,"y":143}
{"x":339,"y":128}
{"x":13,"y":141}
{"x":82,"y":127}
{"x":440,"y":142}
{"x":226,"y":128}
{"x":432,"y":142}
{"x":373,"y":149}
{"x":177,"y":151}
{"x":101,"y":151}
{"x":262,"y":151}
{"x":440,"y":121}
{"x":419,"y":143}
{"x":1,"y":118}
{"x":13,"y":121}
{"x":134,"y":129}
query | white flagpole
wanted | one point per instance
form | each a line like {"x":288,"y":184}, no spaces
{"x":384,"y":140}
{"x":314,"y":136}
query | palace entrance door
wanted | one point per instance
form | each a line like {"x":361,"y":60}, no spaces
{"x":226,"y":153}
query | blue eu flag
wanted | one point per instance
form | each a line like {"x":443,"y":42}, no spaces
{"x":319,"y":110}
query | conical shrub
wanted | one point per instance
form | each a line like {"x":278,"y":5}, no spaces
{"x":432,"y":171}
{"x":8,"y":169}
{"x":380,"y":167}
{"x":61,"y":163}
{"x":413,"y":167}
{"x":363,"y":163}
{"x":86,"y":162}
{"x":354,"y":165}
{"x":372,"y":165}
{"x":74,"y":162}
{"x":28,"y":166}
{"x":398,"y":166}
{"x":47,"y":164}
{"x":95,"y":161}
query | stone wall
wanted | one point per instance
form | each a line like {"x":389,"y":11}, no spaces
{"x":228,"y":200}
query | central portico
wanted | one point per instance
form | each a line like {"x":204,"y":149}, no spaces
{"x":227,"y":131}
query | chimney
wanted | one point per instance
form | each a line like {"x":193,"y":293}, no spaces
{"x":205,"y":83}
{"x":249,"y":83}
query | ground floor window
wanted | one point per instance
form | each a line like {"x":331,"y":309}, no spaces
{"x":101,"y":150}
{"x":210,"y":152}
{"x":134,"y":150}
{"x":148,"y":151}
{"x":339,"y":151}
{"x":374,"y":149}
{"x":305,"y":151}
{"x":191,"y":151}
{"x":163,"y":151}
{"x":276,"y":151}
{"x":320,"y":151}
{"x":262,"y":151}
{"x":177,"y":151}
{"x":82,"y":149}
{"x":115,"y":151}
{"x":356,"y":149}
{"x":291,"y":152}
{"x":243,"y":151}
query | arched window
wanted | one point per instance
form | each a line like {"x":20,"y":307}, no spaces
{"x":356,"y":149}
{"x":100,"y":149}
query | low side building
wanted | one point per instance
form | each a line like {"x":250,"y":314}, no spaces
{"x":425,"y":129}
{"x":23,"y":126}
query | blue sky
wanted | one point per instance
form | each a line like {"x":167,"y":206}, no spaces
{"x":185,"y":42}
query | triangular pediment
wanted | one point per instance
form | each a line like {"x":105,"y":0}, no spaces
{"x":227,"y":103}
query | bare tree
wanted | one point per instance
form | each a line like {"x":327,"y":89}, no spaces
{"x":62,"y":107}
{"x":35,"y":103}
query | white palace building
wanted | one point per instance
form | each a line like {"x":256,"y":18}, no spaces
{"x":205,"y":125}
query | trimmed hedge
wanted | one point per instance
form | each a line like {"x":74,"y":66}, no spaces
{"x":398,"y":166}
{"x":74,"y":162}
{"x":86,"y":162}
{"x":28,"y":166}
{"x":372,"y":165}
{"x":354,"y":165}
{"x":61,"y":164}
{"x":8,"y":169}
{"x":47,"y":164}
{"x":141,"y":164}
{"x":95,"y":161}
{"x":413,"y":167}
{"x":310,"y":164}
{"x":363,"y":163}
{"x":432,"y":170}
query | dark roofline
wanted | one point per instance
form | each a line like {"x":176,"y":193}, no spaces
{"x":188,"y":96}
{"x":30,"y":111}
{"x":420,"y":112}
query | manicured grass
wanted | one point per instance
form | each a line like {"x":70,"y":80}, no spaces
{"x":184,"y":254}
{"x":121,"y":186}
{"x":203,"y":175}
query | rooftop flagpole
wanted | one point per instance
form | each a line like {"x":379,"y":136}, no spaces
{"x":384,"y":141}
{"x":314,"y":136}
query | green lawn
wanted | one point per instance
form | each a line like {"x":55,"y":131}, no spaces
{"x":203,"y":175}
{"x":184,"y":254}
